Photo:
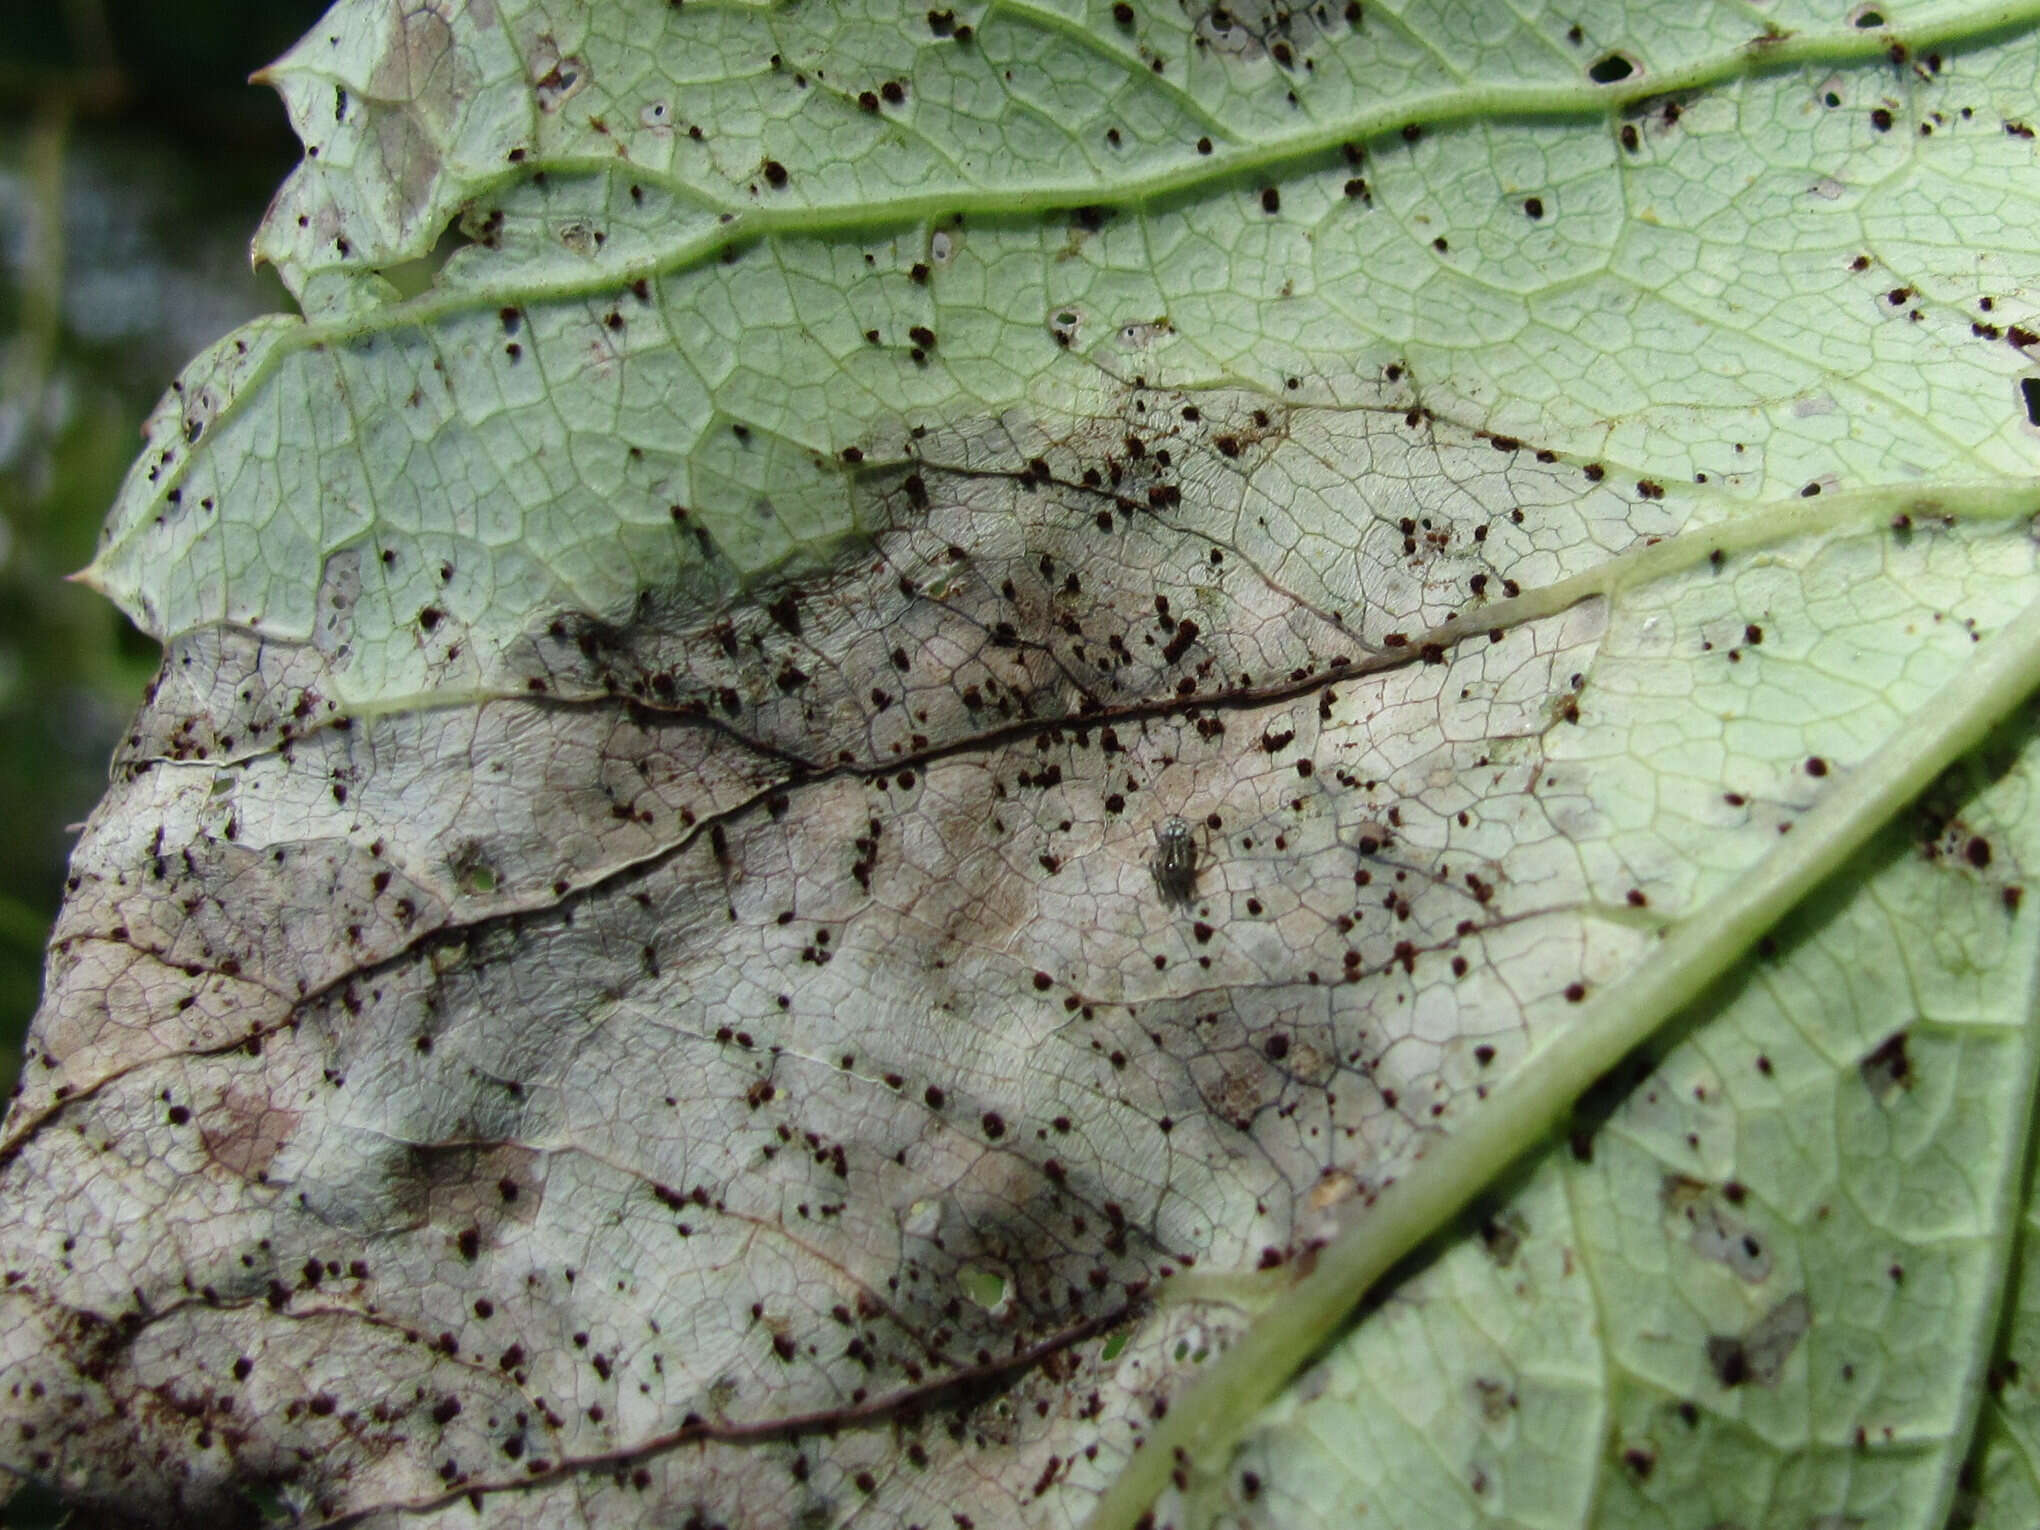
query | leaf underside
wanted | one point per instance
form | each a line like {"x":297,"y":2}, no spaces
{"x":627,"y":968}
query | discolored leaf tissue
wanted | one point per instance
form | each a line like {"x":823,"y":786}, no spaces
{"x":1024,"y":765}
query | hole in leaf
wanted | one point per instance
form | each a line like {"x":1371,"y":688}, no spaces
{"x":411,"y":277}
{"x":1610,"y":68}
{"x":985,"y":1287}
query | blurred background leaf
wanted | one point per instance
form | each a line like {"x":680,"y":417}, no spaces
{"x":135,"y":160}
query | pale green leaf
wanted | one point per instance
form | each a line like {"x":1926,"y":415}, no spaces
{"x":631,"y":966}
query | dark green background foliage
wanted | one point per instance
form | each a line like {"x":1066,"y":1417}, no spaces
{"x":135,"y":160}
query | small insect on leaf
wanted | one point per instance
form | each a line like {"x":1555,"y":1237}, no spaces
{"x":1175,"y":861}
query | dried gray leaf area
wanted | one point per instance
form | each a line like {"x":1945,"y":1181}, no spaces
{"x":743,"y":1051}
{"x":802,"y":962}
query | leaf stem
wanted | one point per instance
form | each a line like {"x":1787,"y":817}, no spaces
{"x":1519,"y":1114}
